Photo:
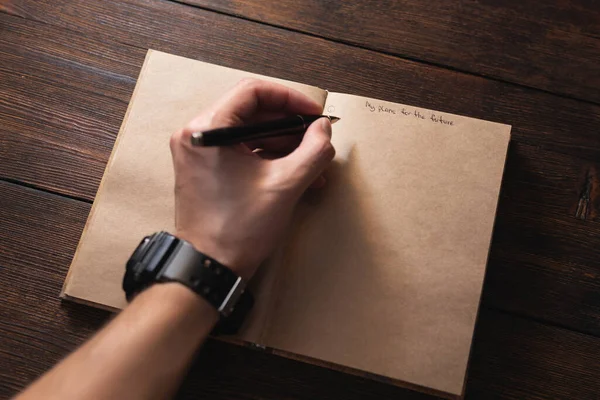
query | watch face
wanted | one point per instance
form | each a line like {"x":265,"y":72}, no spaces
{"x":146,"y":261}
{"x":139,"y":253}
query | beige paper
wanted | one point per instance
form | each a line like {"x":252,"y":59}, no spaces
{"x":383,"y":268}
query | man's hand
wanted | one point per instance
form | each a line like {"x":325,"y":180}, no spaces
{"x":233,"y":203}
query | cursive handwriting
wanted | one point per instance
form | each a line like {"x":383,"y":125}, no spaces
{"x":410,"y":112}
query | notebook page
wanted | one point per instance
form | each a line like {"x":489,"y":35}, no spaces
{"x":385,"y":265}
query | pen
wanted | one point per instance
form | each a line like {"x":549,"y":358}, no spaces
{"x":293,"y":125}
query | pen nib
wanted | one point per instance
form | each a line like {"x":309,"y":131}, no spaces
{"x":197,"y":139}
{"x":333,"y":119}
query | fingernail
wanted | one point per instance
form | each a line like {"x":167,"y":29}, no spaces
{"x":326,"y":125}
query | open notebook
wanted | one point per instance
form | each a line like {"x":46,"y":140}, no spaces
{"x":382,"y":270}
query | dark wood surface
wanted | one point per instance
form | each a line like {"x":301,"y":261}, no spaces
{"x":68,"y":68}
{"x":550,"y":45}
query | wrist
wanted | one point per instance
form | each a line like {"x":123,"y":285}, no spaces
{"x":179,"y":302}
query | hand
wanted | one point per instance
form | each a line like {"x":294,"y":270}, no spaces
{"x":233,"y":203}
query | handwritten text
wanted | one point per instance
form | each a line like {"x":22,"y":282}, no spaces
{"x":410,"y":112}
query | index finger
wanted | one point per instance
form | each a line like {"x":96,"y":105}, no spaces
{"x":252,"y":96}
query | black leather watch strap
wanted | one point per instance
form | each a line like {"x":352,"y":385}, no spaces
{"x":205,"y":275}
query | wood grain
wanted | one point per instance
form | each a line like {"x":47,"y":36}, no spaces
{"x":55,"y":137}
{"x":553,"y":46}
{"x":512,"y":357}
{"x":568,"y":126}
{"x":65,"y":58}
{"x":61,"y":102}
{"x":543,"y":260}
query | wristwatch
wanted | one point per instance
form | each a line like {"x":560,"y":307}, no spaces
{"x":162,"y":257}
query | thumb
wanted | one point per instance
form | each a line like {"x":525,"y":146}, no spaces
{"x":314,"y":153}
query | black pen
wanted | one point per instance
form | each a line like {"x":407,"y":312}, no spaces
{"x":293,"y":125}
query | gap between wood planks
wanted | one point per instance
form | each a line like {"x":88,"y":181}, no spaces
{"x":44,"y":190}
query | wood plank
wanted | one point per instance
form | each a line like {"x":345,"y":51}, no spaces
{"x":512,"y":357}
{"x":54,"y":136}
{"x":63,"y":57}
{"x":62,"y":99}
{"x":37,"y":238}
{"x":553,"y":46}
{"x":547,"y":177}
{"x":544,"y":256}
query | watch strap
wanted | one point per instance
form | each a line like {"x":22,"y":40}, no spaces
{"x":204,"y":275}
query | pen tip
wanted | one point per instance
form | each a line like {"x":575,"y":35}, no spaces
{"x":197,"y":139}
{"x":333,"y":119}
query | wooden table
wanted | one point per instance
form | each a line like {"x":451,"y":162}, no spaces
{"x":68,"y":69}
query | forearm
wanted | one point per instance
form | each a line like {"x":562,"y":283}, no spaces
{"x":142,"y":354}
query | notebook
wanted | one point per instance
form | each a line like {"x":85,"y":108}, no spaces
{"x":380,"y":272}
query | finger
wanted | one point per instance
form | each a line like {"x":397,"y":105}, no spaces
{"x":251,"y":96}
{"x":313,"y":155}
{"x":281,"y":144}
{"x":265,"y":115}
{"x":182,"y":140}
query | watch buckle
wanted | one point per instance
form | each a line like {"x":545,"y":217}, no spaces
{"x":233,"y":296}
